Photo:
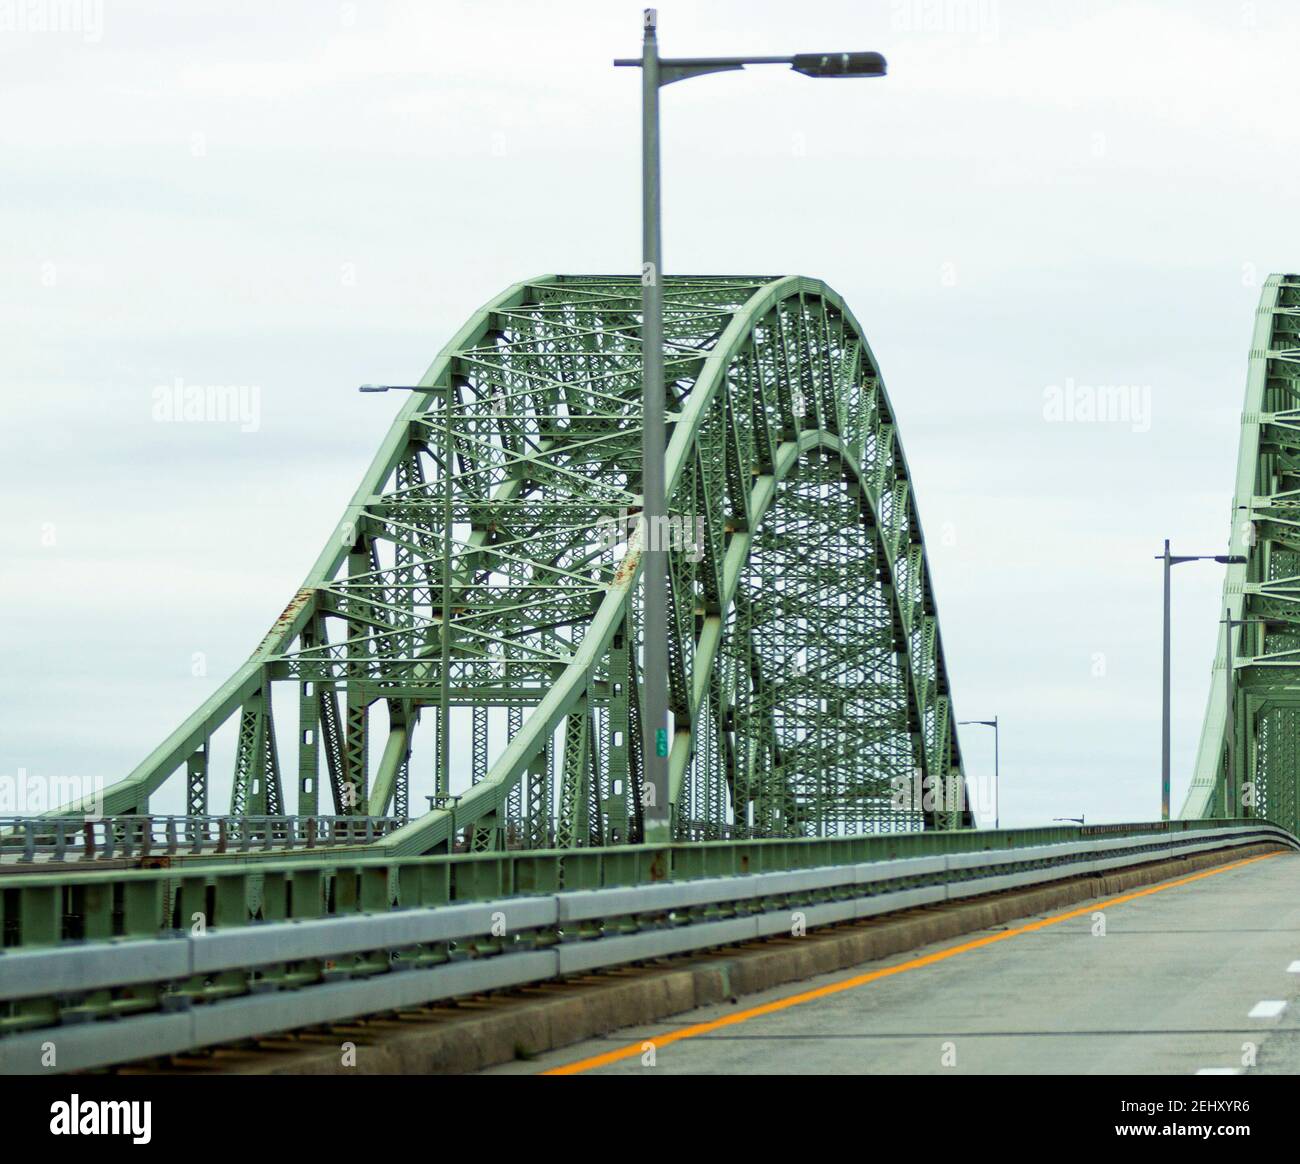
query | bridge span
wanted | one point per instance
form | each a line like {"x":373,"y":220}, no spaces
{"x":477,"y":608}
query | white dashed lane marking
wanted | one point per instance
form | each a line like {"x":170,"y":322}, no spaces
{"x":1269,"y":1008}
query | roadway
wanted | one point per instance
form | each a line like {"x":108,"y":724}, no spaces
{"x":1186,"y":978}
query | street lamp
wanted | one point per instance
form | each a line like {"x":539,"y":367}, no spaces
{"x":997,"y":793}
{"x":1170,"y":561}
{"x":656,"y":72}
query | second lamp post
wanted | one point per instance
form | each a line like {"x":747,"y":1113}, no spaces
{"x":1172,"y":560}
{"x":997,"y":791}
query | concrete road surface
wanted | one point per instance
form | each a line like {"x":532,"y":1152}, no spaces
{"x":1203,"y":976}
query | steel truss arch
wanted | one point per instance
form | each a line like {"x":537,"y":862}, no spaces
{"x":1248,"y":762}
{"x":485,"y":575}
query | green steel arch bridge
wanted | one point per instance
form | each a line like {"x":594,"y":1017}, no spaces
{"x":1248,"y":762}
{"x":470,"y":637}
{"x":482,"y":586}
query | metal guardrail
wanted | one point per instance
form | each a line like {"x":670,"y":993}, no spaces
{"x":32,"y":840}
{"x":45,"y":906}
{"x":155,"y":996}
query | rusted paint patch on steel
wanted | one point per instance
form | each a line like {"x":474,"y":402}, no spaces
{"x":290,"y":612}
{"x":627,"y":568}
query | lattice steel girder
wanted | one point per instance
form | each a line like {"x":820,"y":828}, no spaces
{"x":806,"y":666}
{"x":1250,"y":759}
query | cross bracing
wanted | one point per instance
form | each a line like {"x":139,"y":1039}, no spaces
{"x":482,"y":586}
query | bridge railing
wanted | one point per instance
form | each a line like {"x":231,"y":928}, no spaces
{"x":33,"y":840}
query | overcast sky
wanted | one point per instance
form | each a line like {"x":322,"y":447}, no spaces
{"x":1041,"y":198}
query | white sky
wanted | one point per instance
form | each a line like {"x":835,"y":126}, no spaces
{"x":302,"y":197}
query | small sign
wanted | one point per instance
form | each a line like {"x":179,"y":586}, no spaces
{"x":661,"y":742}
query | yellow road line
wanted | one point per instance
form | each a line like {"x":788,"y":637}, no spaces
{"x":780,"y":1004}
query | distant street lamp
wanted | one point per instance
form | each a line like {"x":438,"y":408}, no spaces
{"x":656,"y":72}
{"x":997,"y":792}
{"x":1170,"y":561}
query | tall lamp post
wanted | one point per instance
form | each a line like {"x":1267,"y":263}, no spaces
{"x":1170,"y":561}
{"x":997,"y":791}
{"x":657,"y":71}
